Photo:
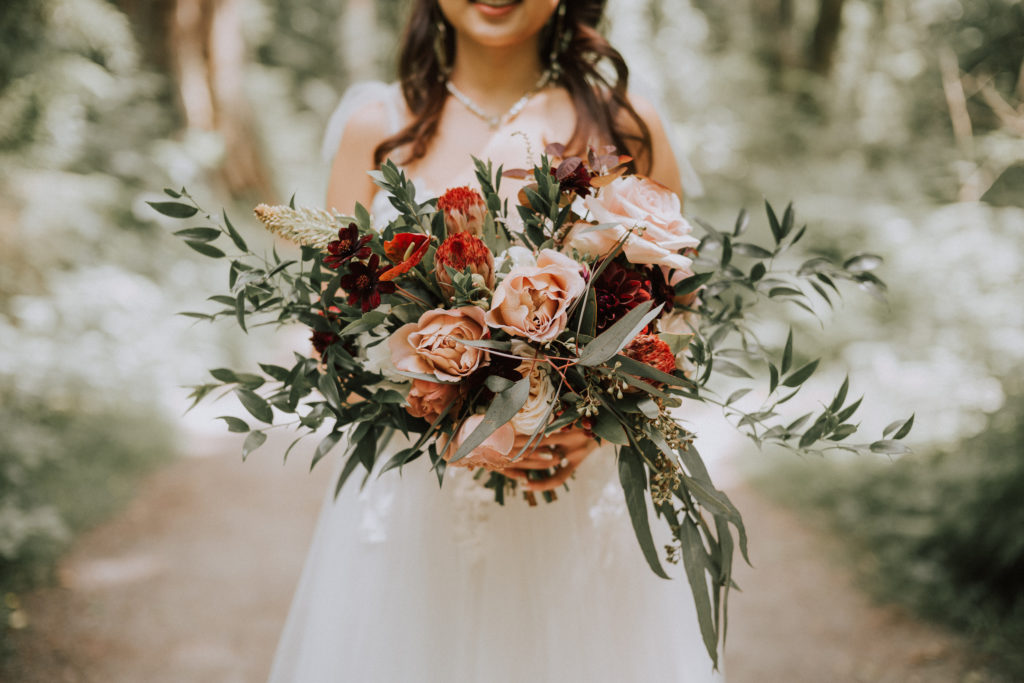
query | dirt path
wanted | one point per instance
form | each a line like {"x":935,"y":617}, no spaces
{"x":191,"y":584}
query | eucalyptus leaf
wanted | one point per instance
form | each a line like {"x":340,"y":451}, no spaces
{"x":174,"y":209}
{"x":633,"y":477}
{"x":798,"y":377}
{"x":256,"y":406}
{"x":787,"y":353}
{"x":498,"y":384}
{"x":235,"y":237}
{"x":608,"y":427}
{"x":889,"y":447}
{"x":324,"y":447}
{"x":502,"y":409}
{"x":612,"y":340}
{"x":730,"y":369}
{"x":199,"y":234}
{"x":367,"y":322}
{"x":696,"y":563}
{"x":862,"y":263}
{"x":751,"y":250}
{"x":905,"y":429}
{"x":252,"y":442}
{"x":627,"y":365}
{"x":234,"y":424}
{"x":205,"y":249}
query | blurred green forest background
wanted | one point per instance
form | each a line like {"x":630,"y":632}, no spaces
{"x":895,"y":126}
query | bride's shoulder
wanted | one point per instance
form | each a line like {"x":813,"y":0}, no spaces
{"x":368,"y":113}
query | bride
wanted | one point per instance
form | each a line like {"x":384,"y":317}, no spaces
{"x":407,"y":581}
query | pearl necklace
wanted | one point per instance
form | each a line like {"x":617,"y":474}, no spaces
{"x":496,"y":121}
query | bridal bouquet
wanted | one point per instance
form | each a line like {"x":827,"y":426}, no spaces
{"x":484,"y":334}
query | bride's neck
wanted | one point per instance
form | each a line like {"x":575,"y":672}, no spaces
{"x":495,"y":77}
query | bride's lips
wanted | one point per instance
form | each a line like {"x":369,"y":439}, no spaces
{"x":495,"y":8}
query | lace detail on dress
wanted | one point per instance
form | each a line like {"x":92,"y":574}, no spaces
{"x":473,"y":505}
{"x":373,"y":524}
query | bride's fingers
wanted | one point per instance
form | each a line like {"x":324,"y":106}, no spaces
{"x":561,"y":472}
{"x":560,"y":476}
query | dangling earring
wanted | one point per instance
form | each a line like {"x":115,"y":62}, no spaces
{"x":559,"y":42}
{"x":444,"y":69}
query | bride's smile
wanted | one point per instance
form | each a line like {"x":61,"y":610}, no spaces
{"x":498,"y":23}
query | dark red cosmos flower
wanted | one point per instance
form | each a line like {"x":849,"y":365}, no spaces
{"x":349,"y":245}
{"x":321,"y":340}
{"x":363,"y":285}
{"x":406,"y":249}
{"x":619,"y":290}
{"x":572,"y":176}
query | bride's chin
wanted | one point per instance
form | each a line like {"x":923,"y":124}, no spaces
{"x":498,"y":23}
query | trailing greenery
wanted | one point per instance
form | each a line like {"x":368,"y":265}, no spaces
{"x":939,"y":531}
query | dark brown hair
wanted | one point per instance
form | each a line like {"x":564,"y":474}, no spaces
{"x":603,"y":111}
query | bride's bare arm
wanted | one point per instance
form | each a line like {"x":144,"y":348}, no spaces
{"x":349,"y":184}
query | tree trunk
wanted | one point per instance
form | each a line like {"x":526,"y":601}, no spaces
{"x":200,"y":43}
{"x":774,"y":23}
{"x":821,"y":54}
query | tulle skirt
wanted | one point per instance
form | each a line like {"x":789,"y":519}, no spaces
{"x":407,"y":581}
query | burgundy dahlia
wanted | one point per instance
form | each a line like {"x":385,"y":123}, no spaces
{"x":348,"y":246}
{"x":619,"y":290}
{"x":661,"y":291}
{"x":363,"y":285}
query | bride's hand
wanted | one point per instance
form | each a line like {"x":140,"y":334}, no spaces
{"x":563,"y":451}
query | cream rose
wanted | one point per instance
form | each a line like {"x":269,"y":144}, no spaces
{"x":494,"y":453}
{"x":635,"y":201}
{"x":429,"y":346}
{"x":429,"y":399}
{"x":536,"y":412}
{"x":533,"y":301}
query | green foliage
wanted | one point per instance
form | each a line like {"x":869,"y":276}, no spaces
{"x":937,"y":531}
{"x":621,"y":400}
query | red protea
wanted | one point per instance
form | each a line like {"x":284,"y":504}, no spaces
{"x":464,"y":210}
{"x":460,"y":251}
{"x":348,"y":246}
{"x":650,"y":349}
{"x":619,"y":290}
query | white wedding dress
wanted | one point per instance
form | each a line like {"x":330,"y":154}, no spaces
{"x":407,"y":581}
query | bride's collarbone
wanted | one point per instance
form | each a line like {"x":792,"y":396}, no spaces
{"x":515,"y":144}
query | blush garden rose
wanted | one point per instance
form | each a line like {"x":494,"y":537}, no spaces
{"x":532,"y":302}
{"x":430,"y":346}
{"x":652,"y":209}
